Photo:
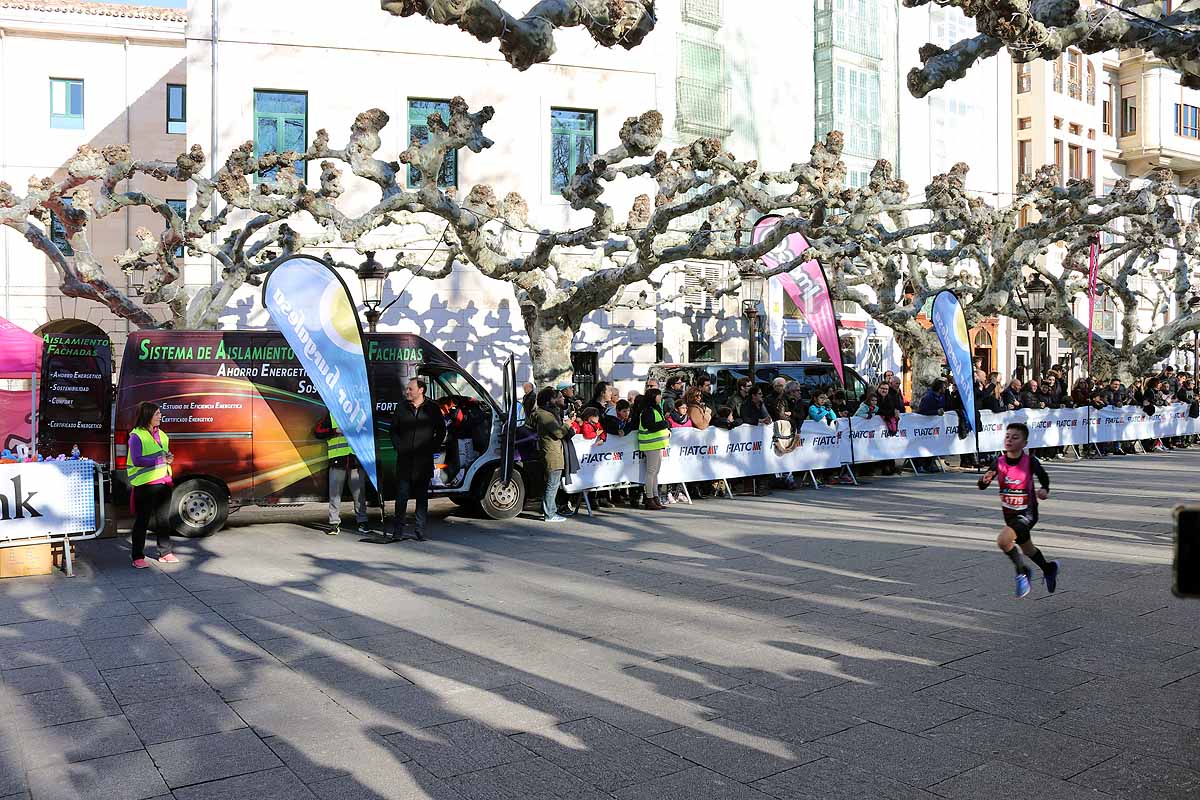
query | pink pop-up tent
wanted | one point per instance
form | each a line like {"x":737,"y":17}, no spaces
{"x":20,"y":358}
{"x":20,"y":351}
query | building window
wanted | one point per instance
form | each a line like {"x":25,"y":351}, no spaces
{"x":280,"y":124}
{"x":180,"y":209}
{"x":1091,"y":84}
{"x":1024,"y":123}
{"x":418,"y":131}
{"x":1075,"y":161}
{"x":793,"y":350}
{"x":701,"y":282}
{"x":1075,"y":74}
{"x":1128,"y":109}
{"x":1092,"y":134}
{"x":1024,"y":78}
{"x":176,"y":108}
{"x":1024,"y":158}
{"x":704,"y":352}
{"x":66,"y":103}
{"x":1091,"y":166}
{"x":701,"y":89}
{"x":1075,"y":130}
{"x":572,"y":143}
{"x":1058,"y":122}
{"x":58,"y":231}
{"x":703,"y":12}
{"x":857,"y":109}
{"x":1058,"y":161}
{"x":1187,"y":121}
{"x":585,"y":370}
{"x":1058,"y":74}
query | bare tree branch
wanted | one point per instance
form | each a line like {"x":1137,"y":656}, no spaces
{"x":529,"y":40}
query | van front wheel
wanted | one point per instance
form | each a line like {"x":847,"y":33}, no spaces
{"x":198,"y":508}
{"x":501,"y":500}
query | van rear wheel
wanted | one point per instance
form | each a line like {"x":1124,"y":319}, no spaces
{"x":198,"y":508}
{"x":501,"y":500}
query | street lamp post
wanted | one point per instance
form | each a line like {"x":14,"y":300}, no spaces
{"x":1035,"y":292}
{"x":752,"y":289}
{"x":371,"y":277}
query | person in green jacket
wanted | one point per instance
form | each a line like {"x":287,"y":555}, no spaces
{"x":654,"y":434}
{"x":551,"y":431}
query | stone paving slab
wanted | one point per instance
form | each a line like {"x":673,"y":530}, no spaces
{"x":854,"y":644}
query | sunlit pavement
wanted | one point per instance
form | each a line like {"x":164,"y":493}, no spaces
{"x":842,"y":643}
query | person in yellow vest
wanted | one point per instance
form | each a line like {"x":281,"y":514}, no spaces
{"x":342,"y":465}
{"x":149,"y":475}
{"x":654,"y":435}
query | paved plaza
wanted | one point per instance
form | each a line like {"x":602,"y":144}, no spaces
{"x":813,"y":645}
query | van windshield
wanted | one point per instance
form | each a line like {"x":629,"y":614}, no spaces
{"x":449,"y":382}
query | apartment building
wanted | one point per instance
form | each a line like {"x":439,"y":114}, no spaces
{"x":75,"y":73}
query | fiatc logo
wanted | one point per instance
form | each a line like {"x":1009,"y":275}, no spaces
{"x":597,"y":458}
{"x":921,"y":433}
{"x":743,"y":447}
{"x":827,"y":441}
{"x":698,"y":450}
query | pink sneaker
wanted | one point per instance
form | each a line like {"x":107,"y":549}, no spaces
{"x":140,"y":563}
{"x":169,"y":558}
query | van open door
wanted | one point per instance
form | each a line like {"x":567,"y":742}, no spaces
{"x":509,"y":442}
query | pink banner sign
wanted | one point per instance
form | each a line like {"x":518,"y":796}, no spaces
{"x":807,"y":287}
{"x":1093,"y":264}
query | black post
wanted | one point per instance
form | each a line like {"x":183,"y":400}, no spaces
{"x":1037,"y":349}
{"x":372,"y":315}
{"x":753,"y":315}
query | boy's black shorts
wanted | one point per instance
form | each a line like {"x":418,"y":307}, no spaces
{"x":1022,"y":522}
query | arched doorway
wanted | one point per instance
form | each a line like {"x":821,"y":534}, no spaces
{"x":73,"y":327}
{"x":984,"y":349}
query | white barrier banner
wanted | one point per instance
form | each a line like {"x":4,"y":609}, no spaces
{"x":1176,"y":421}
{"x":1048,"y":427}
{"x":715,"y":453}
{"x":1126,"y":423}
{"x":1113,"y":424}
{"x":50,"y":498}
{"x":710,"y":454}
{"x":917,"y":436}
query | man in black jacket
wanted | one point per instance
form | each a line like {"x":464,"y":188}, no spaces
{"x":418,"y":432}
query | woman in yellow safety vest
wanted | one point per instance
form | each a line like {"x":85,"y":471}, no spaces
{"x":654,"y":434}
{"x":149,"y":475}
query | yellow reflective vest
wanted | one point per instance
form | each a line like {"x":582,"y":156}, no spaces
{"x":336,"y":445}
{"x":139,"y":476}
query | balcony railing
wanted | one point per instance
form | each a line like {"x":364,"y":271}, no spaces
{"x":1058,"y":83}
{"x":1024,"y":83}
{"x":702,"y":107}
{"x":703,"y":12}
{"x":1074,"y":90}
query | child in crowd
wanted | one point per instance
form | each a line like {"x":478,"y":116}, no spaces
{"x":588,"y":425}
{"x":820,"y":410}
{"x":724,"y":418}
{"x":677,"y":417}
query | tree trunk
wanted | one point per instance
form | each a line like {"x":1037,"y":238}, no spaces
{"x":924,"y":352}
{"x":550,"y":341}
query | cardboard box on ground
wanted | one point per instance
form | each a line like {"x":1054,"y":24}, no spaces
{"x":32,"y":559}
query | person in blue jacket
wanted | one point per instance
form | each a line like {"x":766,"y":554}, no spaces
{"x":820,"y":410}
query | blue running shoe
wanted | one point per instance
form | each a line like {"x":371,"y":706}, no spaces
{"x":1022,"y":584}
{"x":1052,"y":577}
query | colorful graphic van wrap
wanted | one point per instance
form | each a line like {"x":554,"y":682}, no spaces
{"x":241,"y":413}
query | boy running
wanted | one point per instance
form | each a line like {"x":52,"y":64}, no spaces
{"x":1016,"y":469}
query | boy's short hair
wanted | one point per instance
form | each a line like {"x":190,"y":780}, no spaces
{"x":1021,"y":427}
{"x":622,"y":405}
{"x":724,"y":411}
{"x":589,"y":412}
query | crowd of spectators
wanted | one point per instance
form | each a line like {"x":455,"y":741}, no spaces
{"x":557,"y":414}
